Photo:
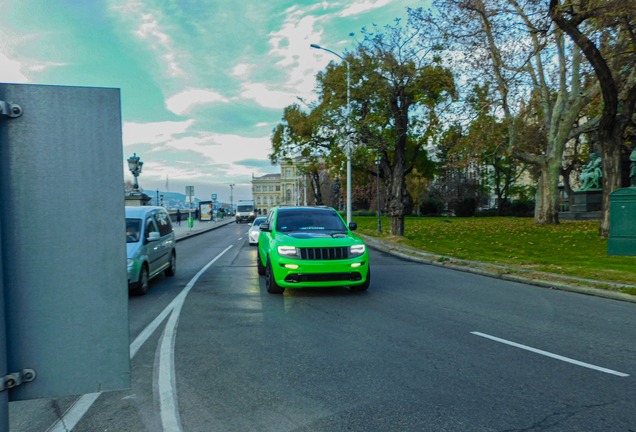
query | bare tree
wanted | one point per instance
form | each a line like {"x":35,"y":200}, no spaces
{"x":509,"y":42}
{"x":606,"y":33}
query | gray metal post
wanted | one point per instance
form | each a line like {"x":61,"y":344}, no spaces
{"x":4,"y":396}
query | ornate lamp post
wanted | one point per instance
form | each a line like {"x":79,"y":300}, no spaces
{"x":348,"y":148}
{"x":135,"y":165}
{"x":378,"y":160}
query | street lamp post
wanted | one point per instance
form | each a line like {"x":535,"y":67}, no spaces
{"x":348,"y":147}
{"x":419,"y":193}
{"x":135,"y":165}
{"x":377,"y":164}
{"x":232,"y":196}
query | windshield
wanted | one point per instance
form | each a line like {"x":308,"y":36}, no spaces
{"x":259,"y":221}
{"x":309,"y":220}
{"x":245,"y":208}
{"x":133,"y":226}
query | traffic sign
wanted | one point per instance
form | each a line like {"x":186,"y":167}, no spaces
{"x":213,"y":197}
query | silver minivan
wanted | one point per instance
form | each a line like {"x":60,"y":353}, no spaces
{"x":150,"y":246}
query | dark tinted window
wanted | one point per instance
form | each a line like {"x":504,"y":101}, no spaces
{"x":309,"y":220}
{"x":133,"y":227}
{"x":163,"y":222}
{"x":245,"y":208}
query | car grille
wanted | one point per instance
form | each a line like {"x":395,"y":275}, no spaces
{"x":328,"y":253}
{"x":323,"y":277}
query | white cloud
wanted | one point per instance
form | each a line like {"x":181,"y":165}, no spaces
{"x":262,"y":95}
{"x":242,"y":70}
{"x":261,"y":124}
{"x":148,"y":28}
{"x":153,"y":133}
{"x":11,"y":70}
{"x":183,"y":102}
{"x":359,"y":7}
{"x":291,"y":46}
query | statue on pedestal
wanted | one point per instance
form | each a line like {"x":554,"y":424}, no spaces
{"x":591,"y":175}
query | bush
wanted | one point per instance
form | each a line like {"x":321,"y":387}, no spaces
{"x":522,"y":209}
{"x":487,"y":213}
{"x":364,"y":213}
{"x":432,"y":207}
{"x":466,"y":208}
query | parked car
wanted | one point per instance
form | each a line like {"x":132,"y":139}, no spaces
{"x":311,"y":247}
{"x":150,"y":246}
{"x":255,"y":230}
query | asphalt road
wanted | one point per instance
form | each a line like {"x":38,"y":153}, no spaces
{"x":414,"y":353}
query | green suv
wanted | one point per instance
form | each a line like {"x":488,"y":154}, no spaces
{"x":311,"y":247}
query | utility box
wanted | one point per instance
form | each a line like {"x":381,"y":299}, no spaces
{"x":622,"y":239}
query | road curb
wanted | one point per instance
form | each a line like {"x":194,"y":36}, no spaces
{"x":196,"y":233}
{"x":392,"y":249}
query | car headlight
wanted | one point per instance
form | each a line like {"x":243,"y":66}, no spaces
{"x":287,"y":250}
{"x":130,"y":262}
{"x":252,"y":214}
{"x":356,"y":250}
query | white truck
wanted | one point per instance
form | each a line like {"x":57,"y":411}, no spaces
{"x":245,"y":211}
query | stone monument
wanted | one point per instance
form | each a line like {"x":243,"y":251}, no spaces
{"x":589,"y":197}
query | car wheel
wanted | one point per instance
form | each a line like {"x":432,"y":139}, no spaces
{"x":142,"y":285}
{"x":237,"y":221}
{"x":364,"y":286}
{"x":259,"y":264}
{"x":170,"y":271}
{"x":270,"y":282}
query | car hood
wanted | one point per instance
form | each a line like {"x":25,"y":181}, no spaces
{"x":307,"y":239}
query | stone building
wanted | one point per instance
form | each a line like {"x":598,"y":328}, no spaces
{"x":287,"y":188}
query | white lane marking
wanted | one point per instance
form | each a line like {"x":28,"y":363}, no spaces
{"x":76,"y":411}
{"x":74,"y":414}
{"x":240,"y":238}
{"x":170,"y":420}
{"x":554,"y":356}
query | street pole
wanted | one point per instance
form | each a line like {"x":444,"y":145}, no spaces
{"x":232,"y":196}
{"x":419,"y":193}
{"x":348,"y":145}
{"x":4,"y":371}
{"x":377,"y":164}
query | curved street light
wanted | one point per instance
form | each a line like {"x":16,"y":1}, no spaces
{"x":348,"y":147}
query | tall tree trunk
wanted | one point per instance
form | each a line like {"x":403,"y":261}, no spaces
{"x":547,"y":205}
{"x":611,"y":151}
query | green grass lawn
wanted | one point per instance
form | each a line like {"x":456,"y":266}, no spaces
{"x":571,"y":248}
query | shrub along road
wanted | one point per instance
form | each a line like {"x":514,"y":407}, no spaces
{"x":572,"y":248}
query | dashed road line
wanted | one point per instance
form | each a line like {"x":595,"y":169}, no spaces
{"x":554,"y":356}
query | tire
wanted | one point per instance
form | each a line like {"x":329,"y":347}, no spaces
{"x":237,"y":221}
{"x":144,"y":279}
{"x":270,"y":282}
{"x":172,"y":269}
{"x":363,"y":287}
{"x":259,"y":264}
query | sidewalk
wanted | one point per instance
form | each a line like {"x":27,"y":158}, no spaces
{"x":501,"y":272}
{"x":183,"y":232}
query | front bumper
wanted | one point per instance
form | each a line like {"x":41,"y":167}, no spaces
{"x":315,"y":273}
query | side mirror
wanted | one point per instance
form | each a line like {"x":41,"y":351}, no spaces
{"x":353,"y":226}
{"x":250,"y":224}
{"x":154,"y":236}
{"x":265,"y":227}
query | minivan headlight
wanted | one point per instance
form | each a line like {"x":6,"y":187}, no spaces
{"x":356,"y":250}
{"x":287,"y":250}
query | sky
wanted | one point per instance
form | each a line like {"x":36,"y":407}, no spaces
{"x":203,"y":82}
